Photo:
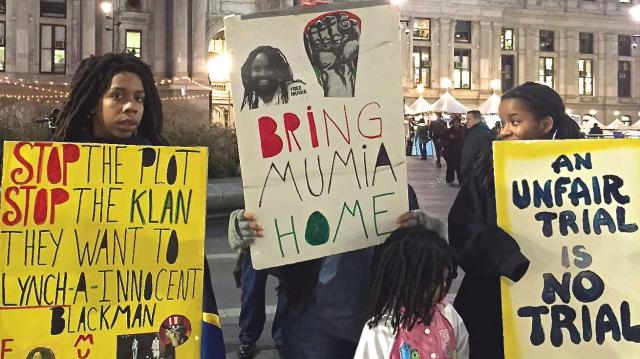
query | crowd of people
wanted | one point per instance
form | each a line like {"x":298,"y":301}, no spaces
{"x":380,"y":302}
{"x":403,"y":313}
{"x":459,"y":144}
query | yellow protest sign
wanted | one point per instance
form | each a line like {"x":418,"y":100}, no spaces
{"x":572,"y":206}
{"x":101,"y":251}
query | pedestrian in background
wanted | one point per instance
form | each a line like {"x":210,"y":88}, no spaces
{"x":437,"y":128}
{"x":477,"y":141}
{"x":453,"y":141}
{"x":486,"y":252}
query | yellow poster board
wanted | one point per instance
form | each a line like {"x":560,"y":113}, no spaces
{"x":101,"y":251}
{"x":574,"y":209}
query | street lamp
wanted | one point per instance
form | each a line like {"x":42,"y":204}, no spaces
{"x":114,"y":17}
{"x":420,"y":89}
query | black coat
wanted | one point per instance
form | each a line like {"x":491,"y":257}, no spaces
{"x":485,"y":253}
{"x":477,"y":141}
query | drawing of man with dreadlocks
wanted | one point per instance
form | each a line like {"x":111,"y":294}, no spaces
{"x":267,"y":79}
{"x":332,"y":43}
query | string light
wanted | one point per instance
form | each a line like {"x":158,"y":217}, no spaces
{"x":173,"y":98}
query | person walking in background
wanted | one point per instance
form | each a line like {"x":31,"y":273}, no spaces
{"x":453,"y":140}
{"x":437,"y":128}
{"x":477,"y":141}
{"x":495,"y":130}
{"x":422,"y":132}
{"x":486,"y":252}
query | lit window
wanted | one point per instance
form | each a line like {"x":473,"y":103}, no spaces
{"x":2,"y":45}
{"x":585,"y":77}
{"x":462,"y":68}
{"x":506,"y":39}
{"x":422,"y":66}
{"x":546,"y":71}
{"x":463,"y":31}
{"x":422,"y":29}
{"x":53,"y":47}
{"x":133,"y":42}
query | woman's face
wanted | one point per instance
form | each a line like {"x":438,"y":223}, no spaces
{"x":263,"y":75}
{"x":518,"y":123}
{"x":120,"y":108}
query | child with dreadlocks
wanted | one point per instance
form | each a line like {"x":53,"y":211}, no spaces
{"x":409,"y":318}
{"x":113,"y":99}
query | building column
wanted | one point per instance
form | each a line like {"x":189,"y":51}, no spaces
{"x":199,"y":40}
{"x":610,"y":68}
{"x":88,"y":25}
{"x":180,"y":36}
{"x":445,"y":51}
{"x":532,"y":50}
{"x":159,"y":28}
{"x":496,"y":53}
{"x":562,"y":72}
{"x":571,"y":65}
{"x":484,"y":52}
{"x":18,"y":36}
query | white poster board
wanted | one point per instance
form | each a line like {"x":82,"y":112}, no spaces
{"x":318,"y":103}
{"x":572,"y":206}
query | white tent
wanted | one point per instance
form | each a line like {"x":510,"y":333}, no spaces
{"x":490,"y":105}
{"x":447,"y":103}
{"x":635,"y":126}
{"x":419,"y":106}
{"x":617,"y":125}
{"x":588,"y":121}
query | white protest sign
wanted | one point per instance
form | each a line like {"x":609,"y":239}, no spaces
{"x":318,"y":103}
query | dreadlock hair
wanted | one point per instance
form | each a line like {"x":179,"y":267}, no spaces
{"x":91,"y":80}
{"x":542,"y":101}
{"x":408,"y":275}
{"x":283,"y":74}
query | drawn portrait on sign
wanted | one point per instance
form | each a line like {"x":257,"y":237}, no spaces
{"x":41,"y":353}
{"x":267,"y":79}
{"x":332,"y":42}
{"x":175,"y":330}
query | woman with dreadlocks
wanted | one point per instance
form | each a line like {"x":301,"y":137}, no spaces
{"x":530,"y":111}
{"x":114,"y":100}
{"x":409,"y":318}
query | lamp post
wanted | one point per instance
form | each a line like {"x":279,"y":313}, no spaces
{"x":114,"y":17}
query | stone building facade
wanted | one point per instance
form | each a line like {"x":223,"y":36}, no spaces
{"x":582,"y":48}
{"x":45,"y":40}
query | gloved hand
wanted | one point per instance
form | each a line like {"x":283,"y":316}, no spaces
{"x":243,"y":229}
{"x":420,"y":217}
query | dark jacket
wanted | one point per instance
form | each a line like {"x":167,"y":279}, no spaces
{"x":437,"y":128}
{"x":485,"y":253}
{"x":477,"y":141}
{"x":453,"y":141}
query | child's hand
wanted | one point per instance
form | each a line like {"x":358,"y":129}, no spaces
{"x":248,"y":227}
{"x":420,"y":217}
